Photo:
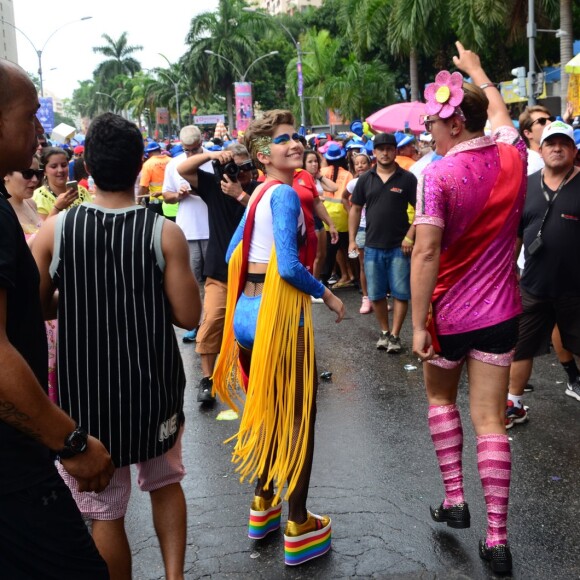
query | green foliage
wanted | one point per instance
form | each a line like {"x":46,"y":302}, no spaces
{"x":357,"y":54}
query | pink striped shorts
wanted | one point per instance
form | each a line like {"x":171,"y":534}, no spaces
{"x":112,"y":502}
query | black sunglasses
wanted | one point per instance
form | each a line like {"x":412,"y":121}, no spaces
{"x":542,"y":121}
{"x":246,"y":166}
{"x":30,"y":173}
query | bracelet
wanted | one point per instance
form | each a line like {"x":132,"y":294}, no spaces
{"x":486,"y":85}
{"x":409,"y":240}
{"x":241,"y":196}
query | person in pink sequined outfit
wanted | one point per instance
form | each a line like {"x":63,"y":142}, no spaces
{"x":465,"y":297}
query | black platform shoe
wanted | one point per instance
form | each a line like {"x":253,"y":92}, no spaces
{"x":456,"y":516}
{"x":499,"y":557}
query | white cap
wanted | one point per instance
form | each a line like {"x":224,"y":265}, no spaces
{"x":557,"y":128}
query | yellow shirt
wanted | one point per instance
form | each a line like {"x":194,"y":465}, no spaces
{"x":45,"y":199}
{"x":333,"y":201}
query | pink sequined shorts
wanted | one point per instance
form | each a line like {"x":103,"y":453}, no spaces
{"x":493,"y":345}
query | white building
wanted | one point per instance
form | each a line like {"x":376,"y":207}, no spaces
{"x":7,"y":33}
{"x":287,"y":6}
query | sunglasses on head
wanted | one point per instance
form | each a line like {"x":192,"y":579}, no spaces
{"x":542,"y":121}
{"x":30,"y":173}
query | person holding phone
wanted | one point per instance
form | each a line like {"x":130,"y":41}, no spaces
{"x":57,"y":193}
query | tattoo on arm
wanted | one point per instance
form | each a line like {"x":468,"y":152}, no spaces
{"x":15,"y":418}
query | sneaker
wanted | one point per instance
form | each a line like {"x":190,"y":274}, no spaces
{"x":529,"y":388}
{"x":573,"y":389}
{"x":316,"y":300}
{"x":515,"y":415}
{"x":366,"y":306}
{"x":190,"y":336}
{"x":333,"y":280}
{"x":499,"y":557}
{"x":394,"y":344}
{"x":204,"y":391}
{"x":455,"y":516}
{"x":383,"y":341}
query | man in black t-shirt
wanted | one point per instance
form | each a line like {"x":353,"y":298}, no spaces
{"x":226,"y":202}
{"x":550,"y":284}
{"x":386,"y":191}
{"x":36,"y":508}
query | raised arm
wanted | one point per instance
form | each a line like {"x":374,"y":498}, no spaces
{"x":468,"y":62}
{"x":188,"y":169}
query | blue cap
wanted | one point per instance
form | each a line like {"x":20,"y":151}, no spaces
{"x":176,"y":150}
{"x":577,"y":137}
{"x":335,"y":151}
{"x":153,"y":146}
{"x":403,"y":138}
{"x":355,"y":143}
{"x":370,"y":147}
{"x":357,"y":128}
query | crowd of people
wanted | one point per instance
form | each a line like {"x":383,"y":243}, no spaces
{"x":121,"y":241}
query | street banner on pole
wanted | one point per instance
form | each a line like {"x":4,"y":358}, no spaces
{"x":162,"y":115}
{"x":46,"y":114}
{"x":209,"y":119}
{"x":244,"y":105}
{"x":300,"y":79}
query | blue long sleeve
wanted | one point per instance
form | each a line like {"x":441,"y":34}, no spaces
{"x":285,"y":212}
{"x":236,"y":238}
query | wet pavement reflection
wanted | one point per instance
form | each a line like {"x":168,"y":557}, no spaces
{"x":375,"y":474}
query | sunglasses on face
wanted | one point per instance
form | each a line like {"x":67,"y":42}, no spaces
{"x":542,"y":121}
{"x":285,"y":138}
{"x":428,"y":121}
{"x":246,"y":166}
{"x":192,"y":149}
{"x":30,"y":173}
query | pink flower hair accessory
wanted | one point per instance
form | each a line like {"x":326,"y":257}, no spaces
{"x":445,"y":94}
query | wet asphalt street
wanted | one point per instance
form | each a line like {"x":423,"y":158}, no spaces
{"x":375,"y":474}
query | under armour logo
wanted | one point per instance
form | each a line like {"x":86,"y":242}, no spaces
{"x":46,"y":499}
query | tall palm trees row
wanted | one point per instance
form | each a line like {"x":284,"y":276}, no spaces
{"x":355,"y":52}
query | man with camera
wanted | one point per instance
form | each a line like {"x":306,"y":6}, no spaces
{"x":226,"y":193}
{"x":550,"y":284}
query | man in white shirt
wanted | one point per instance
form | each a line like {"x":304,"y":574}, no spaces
{"x":192,"y":212}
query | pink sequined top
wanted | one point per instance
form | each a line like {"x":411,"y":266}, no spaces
{"x":451,"y":194}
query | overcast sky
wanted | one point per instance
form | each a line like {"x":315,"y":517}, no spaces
{"x":159,"y":27}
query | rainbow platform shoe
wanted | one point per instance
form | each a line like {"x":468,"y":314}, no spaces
{"x":303,"y":542}
{"x":264,"y":517}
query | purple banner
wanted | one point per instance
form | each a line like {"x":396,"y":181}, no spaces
{"x":46,"y":114}
{"x":300,"y":79}
{"x":244,"y":105}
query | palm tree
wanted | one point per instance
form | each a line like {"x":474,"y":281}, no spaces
{"x":415,"y":27}
{"x":119,"y":58}
{"x":360,"y":88}
{"x":229,"y":32}
{"x":321,"y":58}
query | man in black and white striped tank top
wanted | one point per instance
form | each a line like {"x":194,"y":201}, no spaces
{"x":123,"y":278}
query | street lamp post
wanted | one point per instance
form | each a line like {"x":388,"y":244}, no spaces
{"x":41,"y":50}
{"x":299,"y":54}
{"x":241,"y":76}
{"x":110,"y":97}
{"x":175,"y":87}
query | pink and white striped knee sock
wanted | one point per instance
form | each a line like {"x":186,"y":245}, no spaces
{"x":494,"y":462}
{"x":447,"y":436}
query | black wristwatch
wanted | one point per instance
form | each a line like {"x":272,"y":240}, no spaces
{"x":74,"y":444}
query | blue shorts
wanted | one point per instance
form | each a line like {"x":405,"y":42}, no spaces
{"x":246,"y":318}
{"x":387,"y":271}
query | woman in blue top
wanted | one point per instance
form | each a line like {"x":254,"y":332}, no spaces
{"x":269,"y":328}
